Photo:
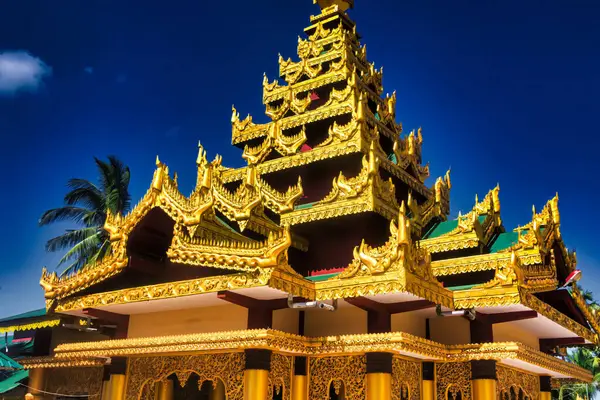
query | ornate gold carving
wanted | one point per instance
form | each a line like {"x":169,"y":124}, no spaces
{"x":75,"y":381}
{"x":507,"y":274}
{"x":471,"y":231}
{"x":243,"y":205}
{"x":398,"y":253}
{"x":275,"y":140}
{"x":529,"y":300}
{"x":407,"y":151}
{"x":246,"y":256}
{"x":509,"y":378}
{"x":144,"y":372}
{"x":52,"y":362}
{"x":32,"y":326}
{"x":280,"y":376}
{"x":342,"y":5}
{"x":589,"y":313}
{"x":249,"y":279}
{"x":406,"y":379}
{"x":452,"y":379}
{"x":347,"y":370}
{"x":393,"y":342}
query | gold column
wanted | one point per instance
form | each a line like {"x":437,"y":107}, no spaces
{"x":256,"y":384}
{"x":217,"y":392}
{"x":116,"y":387}
{"x":545,"y":395}
{"x":164,"y":390}
{"x":37,"y":382}
{"x":379,"y":386}
{"x":299,"y":387}
{"x":483,"y":389}
{"x":428,"y":390}
{"x":105,"y":390}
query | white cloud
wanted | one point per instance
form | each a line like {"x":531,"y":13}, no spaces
{"x":21,"y":72}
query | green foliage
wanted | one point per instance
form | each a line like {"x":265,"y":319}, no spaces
{"x":87,"y":204}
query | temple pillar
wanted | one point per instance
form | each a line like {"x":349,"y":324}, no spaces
{"x":300,"y":379}
{"x":256,"y":374}
{"x":37,"y":383}
{"x":105,"y":382}
{"x":165,"y":390}
{"x":218,"y":391}
{"x":545,"y":388}
{"x":379,"y":376}
{"x":115,"y":388}
{"x":483,"y":379}
{"x":428,"y":382}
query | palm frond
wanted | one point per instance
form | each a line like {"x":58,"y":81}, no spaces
{"x":67,"y":213}
{"x":84,"y":250}
{"x":85,"y":193}
{"x":87,"y":204}
{"x":69,"y":239}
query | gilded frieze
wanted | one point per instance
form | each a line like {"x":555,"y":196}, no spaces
{"x":241,"y":256}
{"x":288,"y":344}
{"x":590,"y":315}
{"x":553,"y":314}
{"x":249,"y":279}
{"x":345,"y":373}
{"x":71,"y":382}
{"x":510,"y":378}
{"x":453,"y":381}
{"x":144,"y":372}
{"x":406,"y":379}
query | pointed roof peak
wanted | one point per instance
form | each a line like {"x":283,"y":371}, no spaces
{"x":342,"y":5}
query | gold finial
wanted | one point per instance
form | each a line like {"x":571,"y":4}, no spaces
{"x":342,"y":5}
{"x":157,"y":161}
{"x":201,"y":154}
{"x":476,"y":199}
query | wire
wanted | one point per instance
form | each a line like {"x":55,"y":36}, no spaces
{"x":59,"y":394}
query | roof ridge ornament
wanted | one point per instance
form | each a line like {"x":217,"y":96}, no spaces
{"x":342,"y":5}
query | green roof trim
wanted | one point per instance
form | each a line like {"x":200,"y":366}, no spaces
{"x":392,"y":157}
{"x":31,"y":314}
{"x":304,"y":206}
{"x":320,"y":278}
{"x":8,"y":363}
{"x":10,"y":380}
{"x":504,"y":241}
{"x":441,"y":229}
{"x":463,"y":287}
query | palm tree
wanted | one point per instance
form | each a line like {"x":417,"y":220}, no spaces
{"x":87,"y":205}
{"x":588,"y":296}
{"x":588,"y":359}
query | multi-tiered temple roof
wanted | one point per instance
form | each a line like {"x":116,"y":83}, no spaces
{"x":332,"y":205}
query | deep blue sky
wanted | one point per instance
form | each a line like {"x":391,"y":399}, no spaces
{"x":506,"y":91}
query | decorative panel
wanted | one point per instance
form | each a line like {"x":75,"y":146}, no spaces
{"x":280,"y":377}
{"x":85,"y":381}
{"x":406,"y":379}
{"x":516,"y":383}
{"x":349,"y":371}
{"x":144,"y":372}
{"x":453,"y":381}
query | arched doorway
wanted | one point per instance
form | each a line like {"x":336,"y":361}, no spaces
{"x":337,"y":390}
{"x":188,"y":386}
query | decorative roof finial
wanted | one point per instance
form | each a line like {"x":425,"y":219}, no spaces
{"x":343,"y":5}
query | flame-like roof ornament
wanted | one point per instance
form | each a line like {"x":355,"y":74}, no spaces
{"x":343,"y":5}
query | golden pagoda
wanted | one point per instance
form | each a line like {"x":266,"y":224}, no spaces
{"x":324,"y":269}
